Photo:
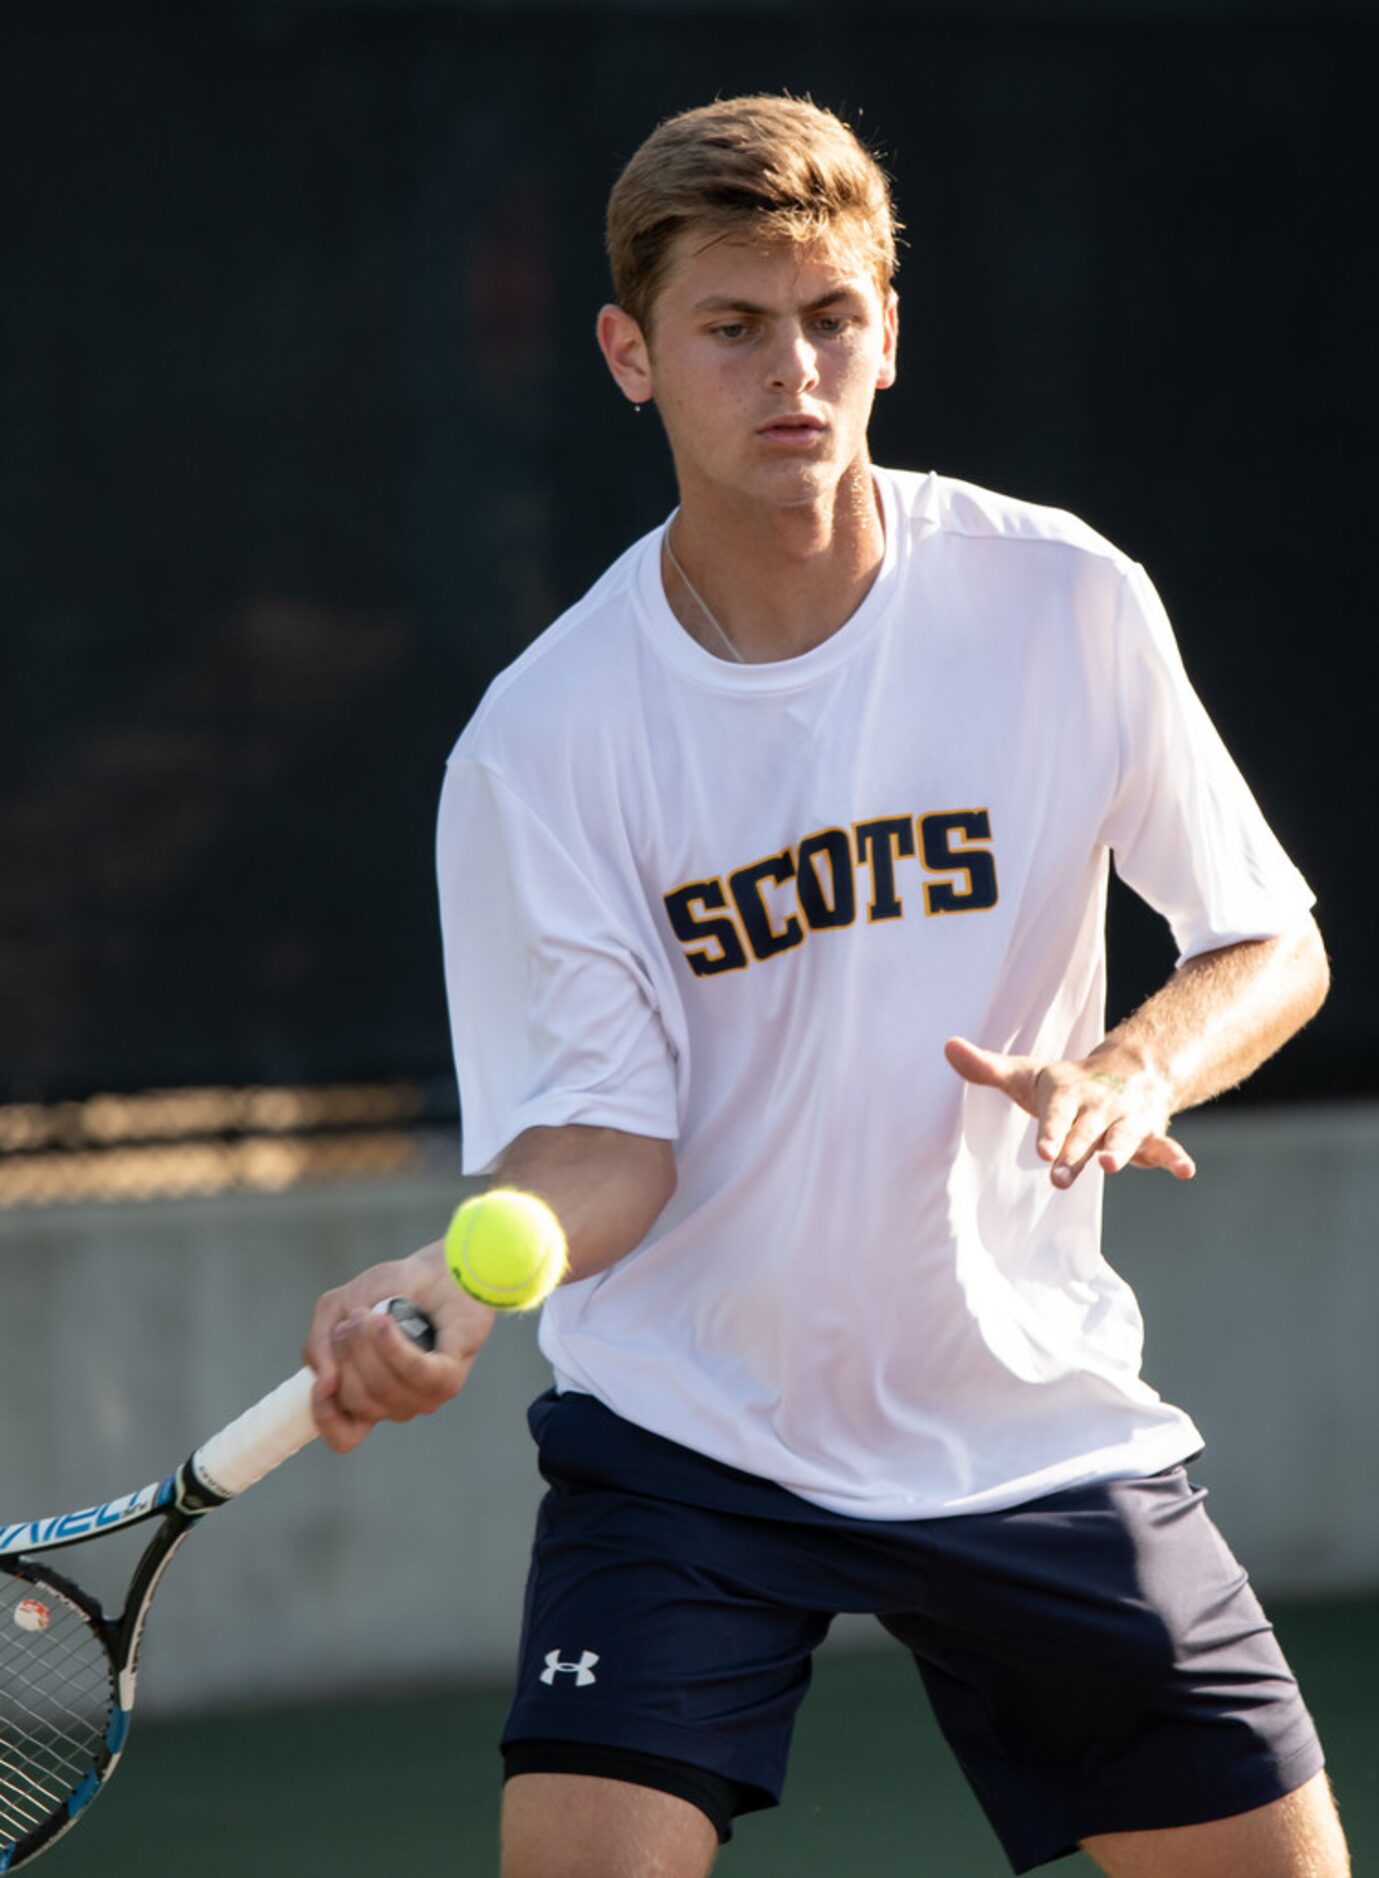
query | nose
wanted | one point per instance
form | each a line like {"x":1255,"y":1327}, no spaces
{"x":794,"y":365}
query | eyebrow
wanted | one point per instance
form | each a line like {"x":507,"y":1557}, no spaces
{"x":727,"y":304}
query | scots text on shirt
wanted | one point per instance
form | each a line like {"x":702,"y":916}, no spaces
{"x":770,"y":905}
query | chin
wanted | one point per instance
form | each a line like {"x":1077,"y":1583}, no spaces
{"x":796,"y":482}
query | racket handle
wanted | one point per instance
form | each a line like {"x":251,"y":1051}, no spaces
{"x":273,"y":1430}
{"x":257,"y":1441}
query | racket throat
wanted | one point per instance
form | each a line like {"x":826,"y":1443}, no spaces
{"x":193,"y":1494}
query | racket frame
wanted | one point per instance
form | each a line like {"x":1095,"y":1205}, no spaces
{"x":120,"y":1636}
{"x":250,"y":1447}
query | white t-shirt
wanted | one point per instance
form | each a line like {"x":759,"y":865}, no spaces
{"x":740,"y":907}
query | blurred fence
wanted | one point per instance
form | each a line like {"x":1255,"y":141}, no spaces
{"x":173,"y":1143}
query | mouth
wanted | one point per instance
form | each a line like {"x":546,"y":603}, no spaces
{"x":795,"y":432}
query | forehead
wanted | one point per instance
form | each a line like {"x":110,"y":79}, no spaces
{"x":707,"y":264}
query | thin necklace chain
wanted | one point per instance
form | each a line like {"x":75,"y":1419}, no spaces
{"x":700,"y":602}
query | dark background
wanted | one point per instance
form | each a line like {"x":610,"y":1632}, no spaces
{"x":303,"y":435}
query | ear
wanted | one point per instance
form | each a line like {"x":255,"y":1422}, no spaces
{"x":885,"y":378}
{"x":625,"y":352}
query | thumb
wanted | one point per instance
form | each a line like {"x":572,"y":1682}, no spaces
{"x":1014,"y":1076}
{"x":973,"y":1064}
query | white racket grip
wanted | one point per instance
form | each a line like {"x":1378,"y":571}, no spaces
{"x":271,"y":1432}
{"x":259,"y":1440}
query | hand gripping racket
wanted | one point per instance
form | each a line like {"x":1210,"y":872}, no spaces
{"x":66,"y":1669}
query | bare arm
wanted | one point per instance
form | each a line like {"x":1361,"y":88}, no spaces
{"x":1217,"y":1019}
{"x":1224,"y":1013}
{"x":607,"y":1189}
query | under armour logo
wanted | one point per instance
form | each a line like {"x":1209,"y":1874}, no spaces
{"x":582,"y":1671}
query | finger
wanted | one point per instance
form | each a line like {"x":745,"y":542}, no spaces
{"x":1057,"y":1121}
{"x":318,"y":1351}
{"x":1014,"y":1076}
{"x":1064,"y":1172}
{"x":380,"y":1375}
{"x":426,"y":1377}
{"x":1119,"y":1146}
{"x":338,"y":1430}
{"x":1086,"y":1135}
{"x":386,"y":1377}
{"x":971,"y":1062}
{"x":351,"y":1300}
{"x":1164,"y":1152}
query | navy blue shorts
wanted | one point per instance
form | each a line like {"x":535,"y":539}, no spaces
{"x":1096,"y":1659}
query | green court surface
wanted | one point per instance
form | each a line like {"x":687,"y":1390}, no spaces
{"x":409,"y":1786}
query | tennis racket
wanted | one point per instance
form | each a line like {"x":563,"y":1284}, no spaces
{"x":67,"y":1670}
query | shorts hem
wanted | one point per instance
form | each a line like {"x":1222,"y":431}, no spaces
{"x":756,"y":1790}
{"x":1266,"y":1785}
{"x":719,"y":1799}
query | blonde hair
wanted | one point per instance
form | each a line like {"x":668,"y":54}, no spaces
{"x":773,"y":168}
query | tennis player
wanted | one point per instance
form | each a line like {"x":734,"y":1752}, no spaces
{"x":773,"y":879}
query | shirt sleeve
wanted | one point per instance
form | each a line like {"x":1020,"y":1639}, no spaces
{"x":1185,"y":831}
{"x":553,"y":1019}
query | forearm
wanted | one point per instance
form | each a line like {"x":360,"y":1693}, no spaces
{"x":1221,"y":1015}
{"x":606,"y":1188}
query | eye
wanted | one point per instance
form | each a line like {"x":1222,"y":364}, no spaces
{"x":730,"y":330}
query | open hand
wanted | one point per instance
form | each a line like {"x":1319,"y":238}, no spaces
{"x":1106,"y":1104}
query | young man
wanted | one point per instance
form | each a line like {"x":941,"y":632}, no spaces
{"x":773,"y":879}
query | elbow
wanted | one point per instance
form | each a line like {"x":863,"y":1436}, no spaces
{"x":1313,"y":969}
{"x":663,"y":1177}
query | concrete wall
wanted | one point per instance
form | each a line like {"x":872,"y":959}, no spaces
{"x":1259,"y":1284}
{"x":127,"y":1334}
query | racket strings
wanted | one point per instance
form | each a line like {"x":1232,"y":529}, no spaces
{"x":56,"y":1696}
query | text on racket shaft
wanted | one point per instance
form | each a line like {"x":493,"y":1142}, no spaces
{"x":32,"y":1534}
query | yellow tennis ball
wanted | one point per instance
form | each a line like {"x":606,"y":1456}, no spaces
{"x":506,"y":1248}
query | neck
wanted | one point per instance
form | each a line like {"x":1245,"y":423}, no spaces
{"x":769,"y":584}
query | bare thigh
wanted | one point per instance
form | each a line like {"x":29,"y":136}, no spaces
{"x":581,"y":1826}
{"x":1298,"y":1836}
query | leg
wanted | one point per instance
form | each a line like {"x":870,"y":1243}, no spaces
{"x":1298,"y":1836}
{"x":579,"y":1826}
